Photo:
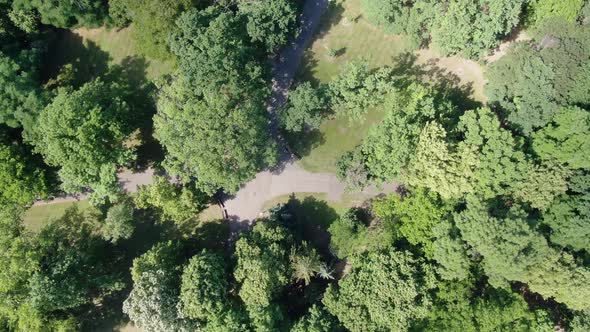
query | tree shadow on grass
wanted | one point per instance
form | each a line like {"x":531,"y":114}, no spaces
{"x":67,"y":47}
{"x":331,"y":18}
{"x":447,"y":84}
{"x":89,"y":62}
{"x":312,"y":218}
{"x":302,"y":144}
{"x":306,"y":69}
{"x":132,"y":75}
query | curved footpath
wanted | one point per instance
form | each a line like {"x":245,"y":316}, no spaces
{"x":287,"y":177}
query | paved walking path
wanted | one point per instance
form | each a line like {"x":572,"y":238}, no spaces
{"x":287,"y":177}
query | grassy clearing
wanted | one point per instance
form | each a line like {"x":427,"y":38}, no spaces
{"x":93,"y":51}
{"x":211,"y":213}
{"x":36,"y":216}
{"x":321,"y":150}
{"x":119,"y":44}
{"x":347,"y":32}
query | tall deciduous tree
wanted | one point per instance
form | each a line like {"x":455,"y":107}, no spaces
{"x":262,"y":271}
{"x":204,"y":291}
{"x":152,"y":303}
{"x":539,"y":10}
{"x":474,"y":27}
{"x":20,"y":98}
{"x":67,"y":13}
{"x":177,"y":203}
{"x":220,"y":141}
{"x":76,"y":266}
{"x":385,"y":291}
{"x":84,"y":133}
{"x":522,"y":85}
{"x":270,"y":22}
{"x":305,"y":109}
{"x":566,"y":139}
{"x":569,"y":219}
{"x":487,"y":162}
{"x":513,"y":251}
{"x":211,"y":119}
{"x":412,"y":18}
{"x":22,"y":180}
{"x":214,"y":52}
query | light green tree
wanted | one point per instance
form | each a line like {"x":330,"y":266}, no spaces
{"x":177,"y":203}
{"x":84,"y":133}
{"x":118,"y":223}
{"x":262,"y":271}
{"x":204,"y":291}
{"x":386,"y":290}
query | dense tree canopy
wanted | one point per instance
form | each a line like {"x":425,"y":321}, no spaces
{"x":22,"y":181}
{"x":262,"y":271}
{"x":66,"y":13}
{"x":305,"y":109}
{"x":513,"y":251}
{"x":413,"y":19}
{"x":494,"y":310}
{"x":219,"y":141}
{"x":204,"y":290}
{"x":215,"y":51}
{"x":566,"y":139}
{"x":466,"y":27}
{"x":385,"y":291}
{"x":177,"y":203}
{"x":152,"y":303}
{"x":20,"y":98}
{"x":472,"y":28}
{"x":84,"y":133}
{"x":535,"y":78}
{"x":389,"y":146}
{"x":270,"y":22}
{"x":52,"y":275}
{"x":539,"y":10}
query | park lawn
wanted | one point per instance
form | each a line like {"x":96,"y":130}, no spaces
{"x":211,"y":213}
{"x":37,"y":216}
{"x":92,"y":51}
{"x":336,"y":136}
{"x":120,"y":45}
{"x":353,"y":37}
{"x":345,"y":30}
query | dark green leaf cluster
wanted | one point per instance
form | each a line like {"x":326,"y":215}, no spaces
{"x":66,"y":13}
